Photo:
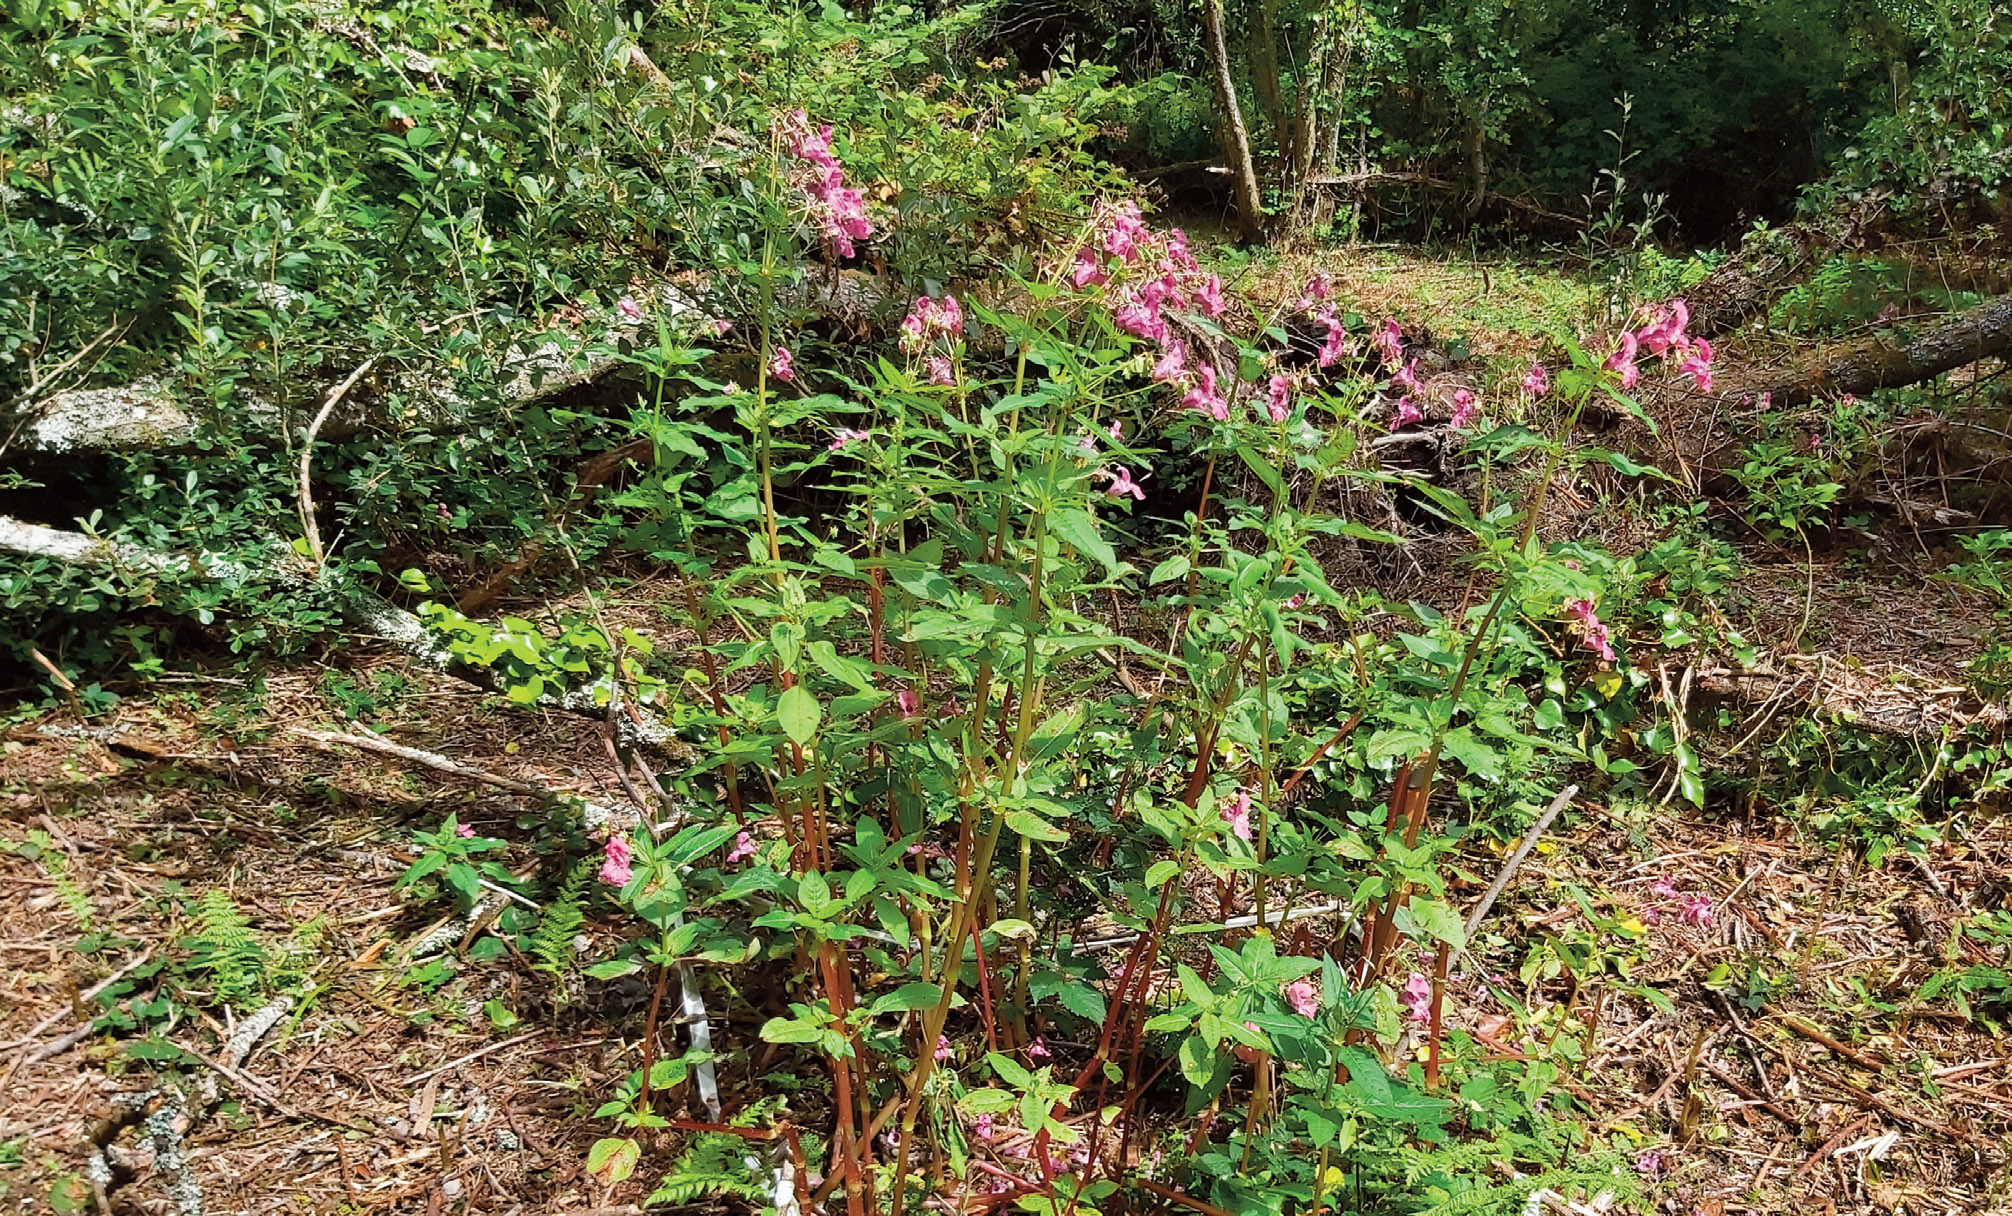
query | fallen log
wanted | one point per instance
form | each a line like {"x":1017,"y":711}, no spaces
{"x":1879,"y":362}
{"x":361,"y":607}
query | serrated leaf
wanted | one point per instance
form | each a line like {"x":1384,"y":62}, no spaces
{"x":1077,"y":528}
{"x":797,"y":712}
{"x":1032,"y":826}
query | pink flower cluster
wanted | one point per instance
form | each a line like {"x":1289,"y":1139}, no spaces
{"x":1536,"y":381}
{"x":1691,"y":909}
{"x":615,"y":861}
{"x":1597,"y":638}
{"x":929,"y":319}
{"x":1153,"y":271}
{"x":1466,"y":408}
{"x":1122,"y":485}
{"x":1664,"y":338}
{"x":838,"y":212}
{"x":1304,"y":997}
{"x":1313,"y":301}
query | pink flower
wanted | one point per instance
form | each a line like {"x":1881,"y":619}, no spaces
{"x":1406,"y":378}
{"x":1038,"y":1049}
{"x":744,"y":848}
{"x":615,"y":862}
{"x":1596,"y":635}
{"x":1698,"y":365}
{"x":1536,"y":381}
{"x":1204,"y":398}
{"x":1418,"y":998}
{"x":1649,"y":1164}
{"x":942,"y":1049}
{"x":909,"y":702}
{"x":928,"y":318}
{"x":1123,"y":230}
{"x":781,"y":366}
{"x":465,"y":831}
{"x":1623,"y":361}
{"x":1116,"y":431}
{"x":1663,"y":888}
{"x":1087,"y":273}
{"x":1278,"y":397}
{"x":1696,"y":910}
{"x":847,"y":435}
{"x":1466,"y":408}
{"x":1141,"y":319}
{"x":1173,"y":361}
{"x":1334,"y":346}
{"x":950,"y":317}
{"x":1389,"y":340}
{"x":981,"y":1129}
{"x":941,"y":373}
{"x":838,"y":213}
{"x":1122,"y":485}
{"x":629,"y":309}
{"x":1666,"y":330}
{"x":1407,"y":412}
{"x":1295,"y":601}
{"x":1304,"y":997}
{"x":721,"y":328}
{"x":1238,"y":815}
{"x":1088,"y":443}
{"x":1317,"y":289}
{"x":1209,"y":296}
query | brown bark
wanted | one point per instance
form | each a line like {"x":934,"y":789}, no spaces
{"x":1235,"y":137}
{"x":1877,"y":363}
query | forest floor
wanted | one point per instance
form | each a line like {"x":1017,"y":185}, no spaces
{"x":1797,"y":1072}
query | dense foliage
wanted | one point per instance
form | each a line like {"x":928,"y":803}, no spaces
{"x":1007,"y":542}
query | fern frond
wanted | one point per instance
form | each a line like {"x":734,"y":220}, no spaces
{"x":714,"y":1165}
{"x":552,"y":940}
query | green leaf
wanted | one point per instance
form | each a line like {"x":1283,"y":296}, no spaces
{"x":1032,"y":826}
{"x":1173,"y":568}
{"x":1263,"y":468}
{"x":615,"y":968}
{"x":797,"y":712}
{"x":1075,"y":526}
{"x":814,"y":893}
{"x":613,"y":1158}
{"x":1009,"y":1071}
{"x":1160,"y":872}
{"x":1198,"y":1060}
{"x":908,"y":998}
{"x":1441,"y":921}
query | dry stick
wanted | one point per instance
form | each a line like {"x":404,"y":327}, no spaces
{"x":471,"y":1056}
{"x":434,"y":760}
{"x":1817,"y":1036}
{"x":36,"y":1030}
{"x":308,"y":526}
{"x":1926,"y":1124}
{"x":1832,"y":1145}
{"x":259,"y":1091}
{"x":1761,"y":1100}
{"x":1515,"y":861}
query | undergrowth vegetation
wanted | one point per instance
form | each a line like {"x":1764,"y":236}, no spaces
{"x":981,"y":590}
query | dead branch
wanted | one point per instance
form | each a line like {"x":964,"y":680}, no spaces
{"x":363,"y":608}
{"x":1879,"y":362}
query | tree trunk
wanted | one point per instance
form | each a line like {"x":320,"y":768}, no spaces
{"x":1236,"y":140}
{"x":1961,"y":339}
{"x":1265,"y":78}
